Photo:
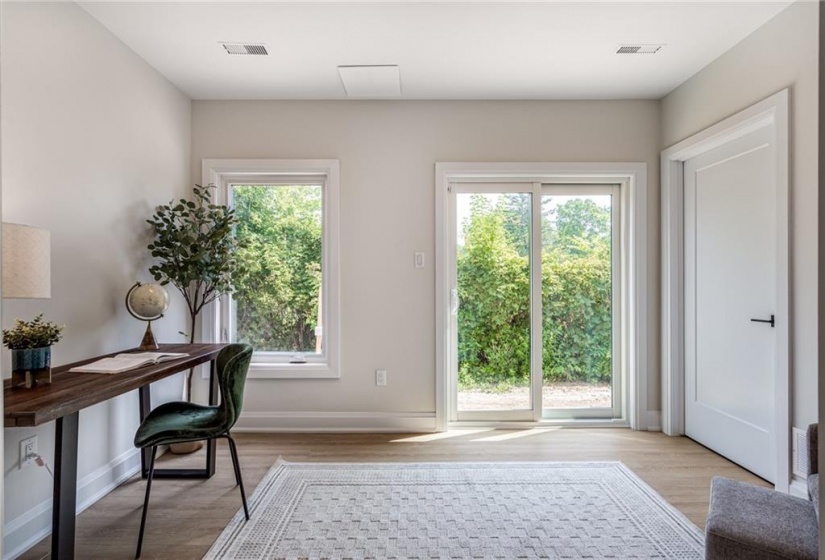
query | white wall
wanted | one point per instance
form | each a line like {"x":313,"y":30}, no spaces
{"x":821,"y":270}
{"x":781,"y":54}
{"x":388,"y":152}
{"x":92,"y":139}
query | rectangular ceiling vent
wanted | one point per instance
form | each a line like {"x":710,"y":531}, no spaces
{"x":639,"y":49}
{"x":245,"y":48}
{"x":382,"y":80}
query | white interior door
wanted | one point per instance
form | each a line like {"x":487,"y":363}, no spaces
{"x":730,"y":281}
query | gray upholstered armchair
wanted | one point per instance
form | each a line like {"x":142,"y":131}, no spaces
{"x":746,"y":522}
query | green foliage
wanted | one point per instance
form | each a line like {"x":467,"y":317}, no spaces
{"x":494,"y":286}
{"x":515,"y":215}
{"x":195,"y":251}
{"x":577,"y":321}
{"x":581,"y":219}
{"x":494,"y":315}
{"x":36,"y":333}
{"x":279,"y":273}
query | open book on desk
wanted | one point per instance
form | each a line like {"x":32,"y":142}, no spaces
{"x":126,"y":362}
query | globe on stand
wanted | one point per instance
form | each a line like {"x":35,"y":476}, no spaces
{"x":147,"y":302}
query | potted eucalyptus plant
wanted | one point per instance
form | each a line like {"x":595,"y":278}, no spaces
{"x":194,"y":247}
{"x":31,"y":343}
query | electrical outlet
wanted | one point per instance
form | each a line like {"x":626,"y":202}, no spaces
{"x":28,"y":448}
{"x":381,"y":377}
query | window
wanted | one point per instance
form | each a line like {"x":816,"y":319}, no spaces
{"x":286,"y":299}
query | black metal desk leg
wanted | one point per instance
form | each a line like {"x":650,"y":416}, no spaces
{"x":64,"y":505}
{"x":145,"y":400}
{"x":212,"y":444}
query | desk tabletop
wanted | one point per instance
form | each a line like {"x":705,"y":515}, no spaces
{"x":70,"y":392}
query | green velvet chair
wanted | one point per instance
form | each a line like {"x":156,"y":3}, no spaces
{"x":180,"y":422}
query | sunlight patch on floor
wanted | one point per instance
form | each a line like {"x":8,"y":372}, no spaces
{"x":442,"y":435}
{"x":515,"y":434}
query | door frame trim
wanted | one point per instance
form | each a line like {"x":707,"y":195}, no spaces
{"x":635,"y":327}
{"x":769,"y":113}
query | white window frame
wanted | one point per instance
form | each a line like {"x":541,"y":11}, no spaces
{"x":538,"y":411}
{"x":634,"y":276}
{"x":614,"y":191}
{"x":218,"y":318}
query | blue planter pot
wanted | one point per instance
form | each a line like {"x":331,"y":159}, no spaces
{"x":31,"y":367}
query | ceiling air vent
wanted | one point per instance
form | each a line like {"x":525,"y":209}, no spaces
{"x":639,"y":49}
{"x":382,"y":80}
{"x":245,"y":48}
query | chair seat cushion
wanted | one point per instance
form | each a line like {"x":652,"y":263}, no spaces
{"x":751,"y":523}
{"x":179,"y":422}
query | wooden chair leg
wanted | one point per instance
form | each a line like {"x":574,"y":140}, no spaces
{"x":146,"y":500}
{"x":235,"y":463}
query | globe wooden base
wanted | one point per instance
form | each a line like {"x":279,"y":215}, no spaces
{"x":148,"y":342}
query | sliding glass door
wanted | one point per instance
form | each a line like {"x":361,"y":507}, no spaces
{"x":534,"y":320}
{"x":580,"y":313}
{"x":491,"y":302}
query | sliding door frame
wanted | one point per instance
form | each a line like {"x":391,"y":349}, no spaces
{"x":494,"y":186}
{"x":583,"y":187}
{"x":633,"y":298}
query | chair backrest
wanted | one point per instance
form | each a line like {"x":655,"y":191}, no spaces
{"x":233,"y":365}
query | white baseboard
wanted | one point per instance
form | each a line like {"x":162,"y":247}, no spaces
{"x":25,"y":531}
{"x":336,"y":422}
{"x":653,"y":421}
{"x":264,"y":422}
{"x":799,"y":488}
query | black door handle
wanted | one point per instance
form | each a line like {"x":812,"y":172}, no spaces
{"x":771,"y":321}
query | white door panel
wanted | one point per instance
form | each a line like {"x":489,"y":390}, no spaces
{"x":730,"y":278}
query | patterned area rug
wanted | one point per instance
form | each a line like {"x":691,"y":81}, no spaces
{"x":456,"y":510}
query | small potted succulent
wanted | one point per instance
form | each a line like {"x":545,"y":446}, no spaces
{"x":30,"y":343}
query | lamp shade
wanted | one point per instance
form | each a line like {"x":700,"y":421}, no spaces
{"x":26,"y":262}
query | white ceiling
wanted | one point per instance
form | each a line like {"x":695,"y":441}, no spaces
{"x":540,"y":50}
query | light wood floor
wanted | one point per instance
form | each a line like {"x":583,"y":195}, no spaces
{"x":185,"y":517}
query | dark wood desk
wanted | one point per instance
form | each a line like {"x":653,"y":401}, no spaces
{"x":62,"y":402}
